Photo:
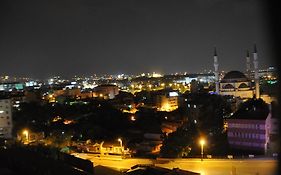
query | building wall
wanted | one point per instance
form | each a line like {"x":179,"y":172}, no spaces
{"x":11,"y":86}
{"x":272,"y":131}
{"x":109,"y":91}
{"x":246,"y":92}
{"x":166,"y":103}
{"x":247,"y":134}
{"x":237,"y":93}
{"x":5,"y":118}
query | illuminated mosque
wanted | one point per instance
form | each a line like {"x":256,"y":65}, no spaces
{"x":236,"y":83}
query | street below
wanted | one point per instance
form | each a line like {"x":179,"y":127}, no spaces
{"x":253,"y":166}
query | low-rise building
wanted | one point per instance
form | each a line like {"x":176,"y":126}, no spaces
{"x":108,"y":91}
{"x":105,"y":148}
{"x":12,"y":86}
{"x":170,"y":127}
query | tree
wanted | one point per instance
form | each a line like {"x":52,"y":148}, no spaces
{"x":205,"y":118}
{"x":180,"y":142}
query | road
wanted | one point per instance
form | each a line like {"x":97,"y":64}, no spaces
{"x":205,"y":167}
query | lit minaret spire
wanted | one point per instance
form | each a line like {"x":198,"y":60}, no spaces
{"x":257,"y":86}
{"x":248,"y":64}
{"x":216,"y":65}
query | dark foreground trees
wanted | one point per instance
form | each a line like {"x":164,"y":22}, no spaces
{"x":205,"y":119}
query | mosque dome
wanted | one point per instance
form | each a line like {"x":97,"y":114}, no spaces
{"x":234,"y":76}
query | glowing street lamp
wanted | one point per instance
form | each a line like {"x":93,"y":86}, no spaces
{"x":25,"y":132}
{"x":122,"y":149}
{"x":120,"y":140}
{"x":202,"y":143}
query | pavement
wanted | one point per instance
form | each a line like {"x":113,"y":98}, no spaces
{"x":102,"y":170}
{"x":265,"y":166}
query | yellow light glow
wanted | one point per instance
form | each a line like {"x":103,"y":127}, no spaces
{"x":57,"y":118}
{"x":25,"y":132}
{"x":67,"y":122}
{"x":120,"y":140}
{"x":133,"y":118}
{"x":166,"y":107}
{"x":202,"y":141}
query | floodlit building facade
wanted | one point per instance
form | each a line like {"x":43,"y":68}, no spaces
{"x":236,"y":83}
{"x":253,"y":129}
{"x":167,"y":101}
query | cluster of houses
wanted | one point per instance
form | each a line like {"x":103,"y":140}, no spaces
{"x":104,"y":148}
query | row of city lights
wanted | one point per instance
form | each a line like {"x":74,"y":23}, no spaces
{"x":202,"y":142}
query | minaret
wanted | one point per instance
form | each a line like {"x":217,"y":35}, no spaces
{"x":257,"y":85}
{"x":248,"y":64}
{"x":216,"y":65}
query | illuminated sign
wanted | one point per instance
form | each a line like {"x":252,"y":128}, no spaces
{"x":173,"y":94}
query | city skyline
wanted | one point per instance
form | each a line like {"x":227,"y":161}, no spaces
{"x":70,"y":38}
{"x":139,"y":87}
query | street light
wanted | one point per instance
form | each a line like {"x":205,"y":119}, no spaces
{"x":122,"y":149}
{"x":202,"y":142}
{"x":120,"y":140}
{"x":25,"y":132}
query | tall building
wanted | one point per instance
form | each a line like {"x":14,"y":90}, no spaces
{"x":216,"y":65}
{"x":248,"y":64}
{"x":257,"y":79}
{"x":167,"y":100}
{"x":5,"y":118}
{"x":253,"y":128}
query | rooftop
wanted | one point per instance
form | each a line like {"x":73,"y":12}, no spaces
{"x":234,"y":76}
{"x":255,"y":109}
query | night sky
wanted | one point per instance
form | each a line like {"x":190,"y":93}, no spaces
{"x":83,"y":37}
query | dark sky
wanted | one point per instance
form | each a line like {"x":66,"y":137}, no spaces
{"x":42,"y":38}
